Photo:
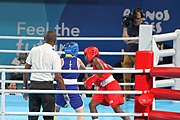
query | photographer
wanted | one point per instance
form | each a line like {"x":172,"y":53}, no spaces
{"x":130,"y":29}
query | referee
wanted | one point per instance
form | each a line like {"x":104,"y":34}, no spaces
{"x":43,"y":57}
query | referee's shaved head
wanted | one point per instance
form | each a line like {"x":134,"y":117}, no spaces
{"x":50,"y":37}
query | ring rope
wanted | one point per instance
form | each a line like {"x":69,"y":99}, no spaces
{"x":76,"y":71}
{"x":88,"y":68}
{"x":78,"y":83}
{"x":165,"y":37}
{"x":166,"y":94}
{"x":158,"y":83}
{"x":166,"y":65}
{"x":72,"y":91}
{"x":80,"y":53}
{"x":71,"y":38}
{"x":75,"y":114}
{"x":167,"y":52}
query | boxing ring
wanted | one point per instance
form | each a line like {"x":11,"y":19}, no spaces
{"x":146,"y":94}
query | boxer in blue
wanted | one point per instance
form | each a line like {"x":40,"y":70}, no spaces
{"x":71,"y":62}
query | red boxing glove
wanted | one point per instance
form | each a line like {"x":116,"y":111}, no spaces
{"x":88,"y":83}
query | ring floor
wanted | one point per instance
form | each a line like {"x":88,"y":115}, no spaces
{"x":18,"y":104}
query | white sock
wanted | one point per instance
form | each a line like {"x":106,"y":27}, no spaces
{"x":95,"y":119}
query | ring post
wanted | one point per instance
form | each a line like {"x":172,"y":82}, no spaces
{"x":145,"y":37}
{"x":3,"y":76}
{"x":143,"y":81}
{"x":176,"y":58}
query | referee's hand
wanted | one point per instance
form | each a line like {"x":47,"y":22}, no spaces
{"x":25,"y":95}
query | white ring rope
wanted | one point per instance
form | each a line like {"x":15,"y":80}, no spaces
{"x":165,"y":83}
{"x":158,"y":83}
{"x":71,"y":38}
{"x":80,"y":53}
{"x":75,"y":114}
{"x":88,"y":68}
{"x":72,"y":92}
{"x":11,"y":66}
{"x":166,"y":65}
{"x":78,"y":83}
{"x":165,"y":37}
{"x":76,"y":71}
{"x":167,"y":52}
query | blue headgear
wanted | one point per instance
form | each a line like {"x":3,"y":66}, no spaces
{"x":71,"y":48}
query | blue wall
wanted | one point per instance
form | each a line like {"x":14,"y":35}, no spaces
{"x":95,"y":18}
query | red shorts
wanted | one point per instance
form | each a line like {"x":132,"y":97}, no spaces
{"x":109,"y":99}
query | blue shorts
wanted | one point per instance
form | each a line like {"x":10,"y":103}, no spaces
{"x":75,"y":99}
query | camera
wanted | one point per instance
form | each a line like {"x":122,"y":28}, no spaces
{"x":128,"y":20}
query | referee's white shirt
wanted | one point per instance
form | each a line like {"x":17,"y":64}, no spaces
{"x":43,"y":57}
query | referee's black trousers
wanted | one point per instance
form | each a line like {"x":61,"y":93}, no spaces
{"x":47,"y":101}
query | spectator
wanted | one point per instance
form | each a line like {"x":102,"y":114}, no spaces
{"x":12,"y":86}
{"x":21,"y":61}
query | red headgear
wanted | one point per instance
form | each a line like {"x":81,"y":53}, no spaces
{"x":91,"y":52}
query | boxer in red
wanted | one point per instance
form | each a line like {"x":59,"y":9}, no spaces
{"x":105,"y":82}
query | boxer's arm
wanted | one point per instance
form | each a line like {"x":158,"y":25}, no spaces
{"x":98,"y":65}
{"x":81,"y":65}
{"x":110,"y":67}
